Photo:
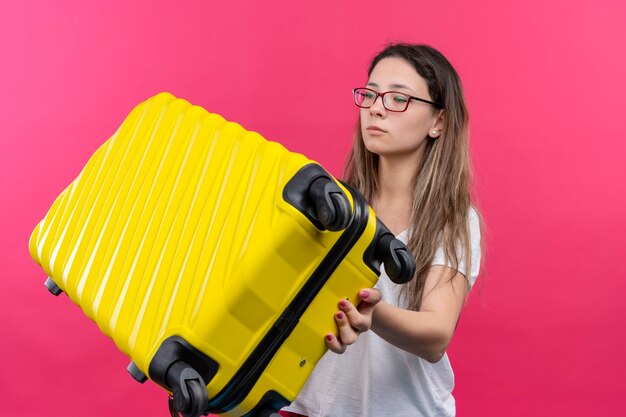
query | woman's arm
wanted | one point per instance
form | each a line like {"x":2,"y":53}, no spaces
{"x":428,"y":332}
{"x":425,"y":333}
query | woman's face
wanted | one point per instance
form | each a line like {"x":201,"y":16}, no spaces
{"x":388,"y":133}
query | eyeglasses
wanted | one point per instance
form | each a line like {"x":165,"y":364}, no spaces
{"x":392,"y":100}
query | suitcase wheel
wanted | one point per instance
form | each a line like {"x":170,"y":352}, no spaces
{"x":333,"y":207}
{"x":317,"y":195}
{"x":189,"y":395}
{"x":53,"y":287}
{"x":399,"y":263}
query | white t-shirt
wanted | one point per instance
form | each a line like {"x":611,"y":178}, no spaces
{"x":373,"y":378}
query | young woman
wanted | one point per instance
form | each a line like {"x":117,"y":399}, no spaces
{"x":411,"y":161}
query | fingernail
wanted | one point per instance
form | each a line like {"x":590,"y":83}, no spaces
{"x":329,"y":337}
{"x":340,"y":315}
{"x":364,"y":294}
{"x":343,"y":303}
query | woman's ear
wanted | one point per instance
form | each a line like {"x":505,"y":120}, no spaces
{"x":437,"y":128}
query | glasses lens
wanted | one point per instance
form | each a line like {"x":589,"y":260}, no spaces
{"x":396,"y":101}
{"x":364,"y":97}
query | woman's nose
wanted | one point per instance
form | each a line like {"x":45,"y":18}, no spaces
{"x":377,"y":107}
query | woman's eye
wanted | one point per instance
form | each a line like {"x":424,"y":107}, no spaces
{"x":400,"y":99}
{"x":369,"y":95}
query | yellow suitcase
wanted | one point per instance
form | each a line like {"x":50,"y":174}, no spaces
{"x":212,"y":257}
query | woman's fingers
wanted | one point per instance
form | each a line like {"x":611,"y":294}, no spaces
{"x":334,"y":344}
{"x":355,"y":319}
{"x":347,"y":333}
{"x":369,"y":298}
{"x":361,"y":317}
{"x":351,"y":320}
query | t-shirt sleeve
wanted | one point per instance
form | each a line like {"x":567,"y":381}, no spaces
{"x":440,"y":258}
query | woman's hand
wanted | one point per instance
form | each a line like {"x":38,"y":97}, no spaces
{"x":351,"y":320}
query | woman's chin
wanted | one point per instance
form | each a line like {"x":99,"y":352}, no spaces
{"x":374,"y":145}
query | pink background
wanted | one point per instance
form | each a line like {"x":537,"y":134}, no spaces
{"x":544,"y":335}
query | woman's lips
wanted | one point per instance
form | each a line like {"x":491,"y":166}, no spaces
{"x":375,"y":130}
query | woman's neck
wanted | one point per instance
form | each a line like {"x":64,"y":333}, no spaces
{"x":396,"y":176}
{"x":394,"y":198}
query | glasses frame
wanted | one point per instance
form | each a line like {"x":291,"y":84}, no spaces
{"x":382,"y":97}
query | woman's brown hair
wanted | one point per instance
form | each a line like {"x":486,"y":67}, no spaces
{"x":441,"y":188}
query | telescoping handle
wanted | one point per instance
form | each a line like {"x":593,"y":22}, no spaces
{"x":398,"y":260}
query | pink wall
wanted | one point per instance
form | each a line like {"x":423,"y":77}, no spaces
{"x":546,"y":92}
